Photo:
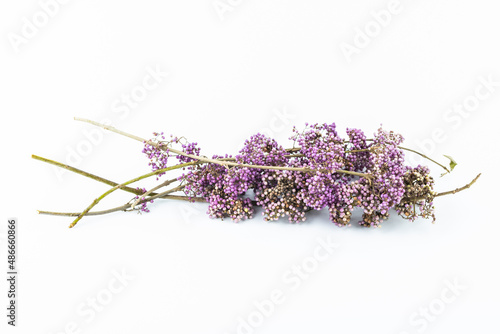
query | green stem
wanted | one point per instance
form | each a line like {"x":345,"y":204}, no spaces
{"x":86,"y":174}
{"x":119,"y":186}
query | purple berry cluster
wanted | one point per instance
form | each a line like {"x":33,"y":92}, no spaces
{"x":322,"y":171}
{"x":158,"y":158}
{"x":144,"y":205}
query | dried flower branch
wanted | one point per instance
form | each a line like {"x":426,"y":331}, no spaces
{"x":325,"y":171}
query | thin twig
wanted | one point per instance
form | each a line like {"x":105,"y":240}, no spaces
{"x":426,"y":157}
{"x":444,"y":193}
{"x":185,"y":198}
{"x":295,"y":149}
{"x":467,"y":186}
{"x":92,"y":213}
{"x":227,"y":163}
{"x":125,"y":207}
{"x":151,"y":191}
{"x":216,"y":161}
{"x":86,"y":174}
{"x":98,"y":199}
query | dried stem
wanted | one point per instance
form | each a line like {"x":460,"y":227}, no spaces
{"x":86,"y":174}
{"x":151,"y":191}
{"x":150,"y":195}
{"x":444,"y":193}
{"x":421,"y":154}
{"x":126,"y":207}
{"x":98,"y":199}
{"x":467,"y":186}
{"x":228,"y":163}
{"x":296,"y":149}
{"x":215,"y":161}
{"x":426,"y":157}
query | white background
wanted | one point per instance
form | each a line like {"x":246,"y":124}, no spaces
{"x":229,"y":75}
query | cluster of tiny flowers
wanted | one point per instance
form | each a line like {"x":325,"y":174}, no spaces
{"x":322,"y":151}
{"x":143,"y":207}
{"x":258,"y":150}
{"x":189,"y":148}
{"x":281,"y":195}
{"x":418,"y":194}
{"x":359,"y":158}
{"x":217,"y":185}
{"x":157,"y":156}
{"x":324,"y":171}
{"x":382,"y":192}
